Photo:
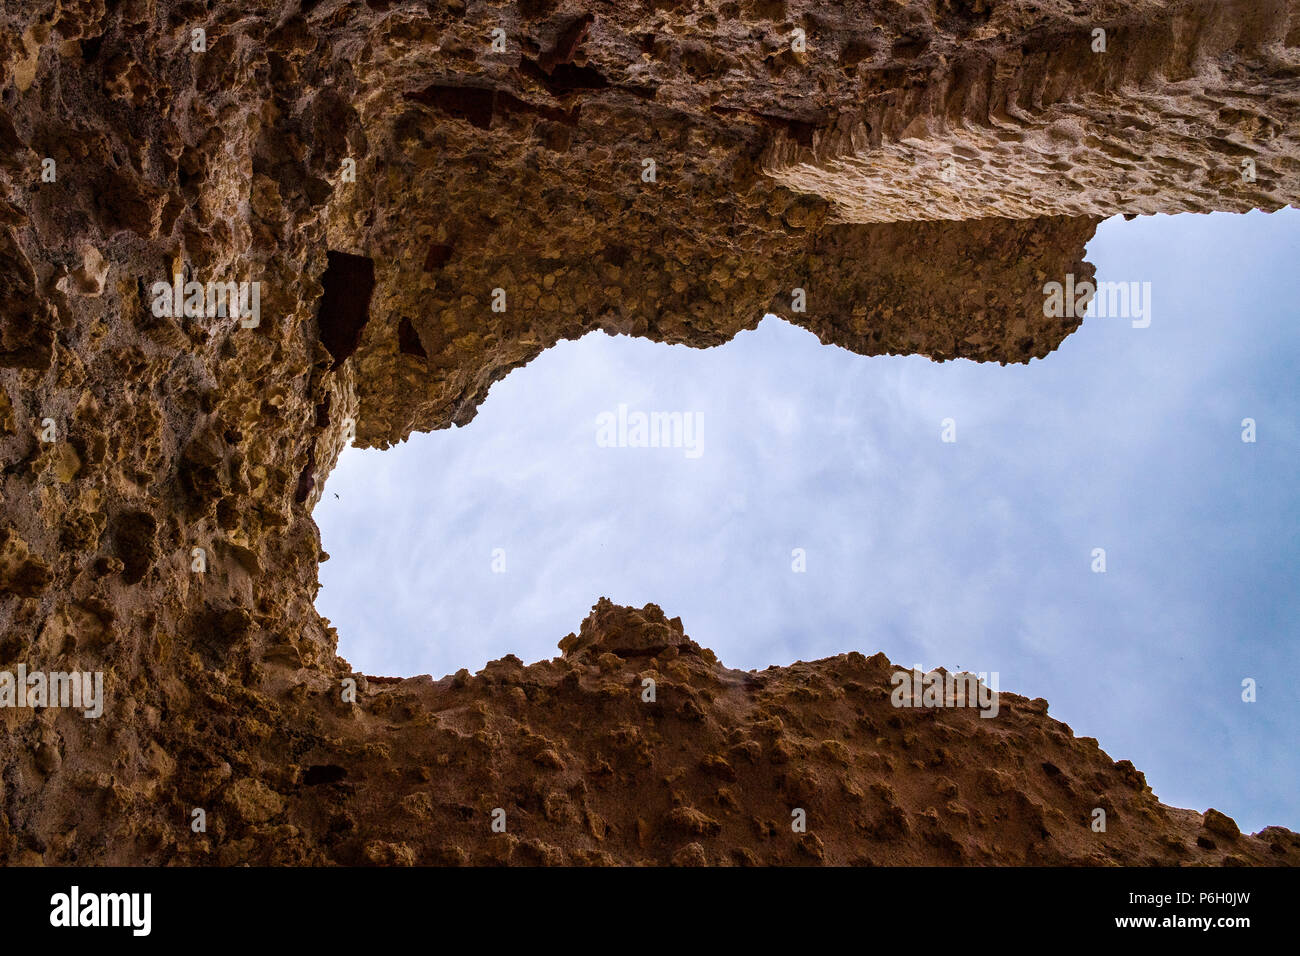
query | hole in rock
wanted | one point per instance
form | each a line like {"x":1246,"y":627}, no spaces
{"x":345,"y":302}
{"x":323,"y":774}
{"x":464,"y":545}
{"x":565,"y":77}
{"x":408,"y":340}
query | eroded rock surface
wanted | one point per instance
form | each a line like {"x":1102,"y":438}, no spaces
{"x":1169,"y":110}
{"x":388,"y":177}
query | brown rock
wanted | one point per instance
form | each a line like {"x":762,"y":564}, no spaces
{"x":1221,"y":824}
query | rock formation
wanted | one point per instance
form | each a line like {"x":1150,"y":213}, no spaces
{"x":428,"y":196}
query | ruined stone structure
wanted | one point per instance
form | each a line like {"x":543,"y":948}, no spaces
{"x":391,"y":170}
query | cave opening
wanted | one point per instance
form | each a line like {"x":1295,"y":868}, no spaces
{"x":827,"y":511}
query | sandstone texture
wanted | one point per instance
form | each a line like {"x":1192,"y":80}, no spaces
{"x":427,"y":208}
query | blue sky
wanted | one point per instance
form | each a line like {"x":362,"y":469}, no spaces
{"x":974,"y":554}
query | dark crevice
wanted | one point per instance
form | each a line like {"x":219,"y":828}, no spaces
{"x":345,"y":305}
{"x":135,"y":535}
{"x":799,"y":130}
{"x":478,"y":105}
{"x":438,"y":255}
{"x":565,"y":77}
{"x":323,"y":773}
{"x":470,"y":103}
{"x":616,"y":254}
{"x":307,"y":478}
{"x":90,"y":48}
{"x":408,"y":339}
{"x":323,"y":412}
